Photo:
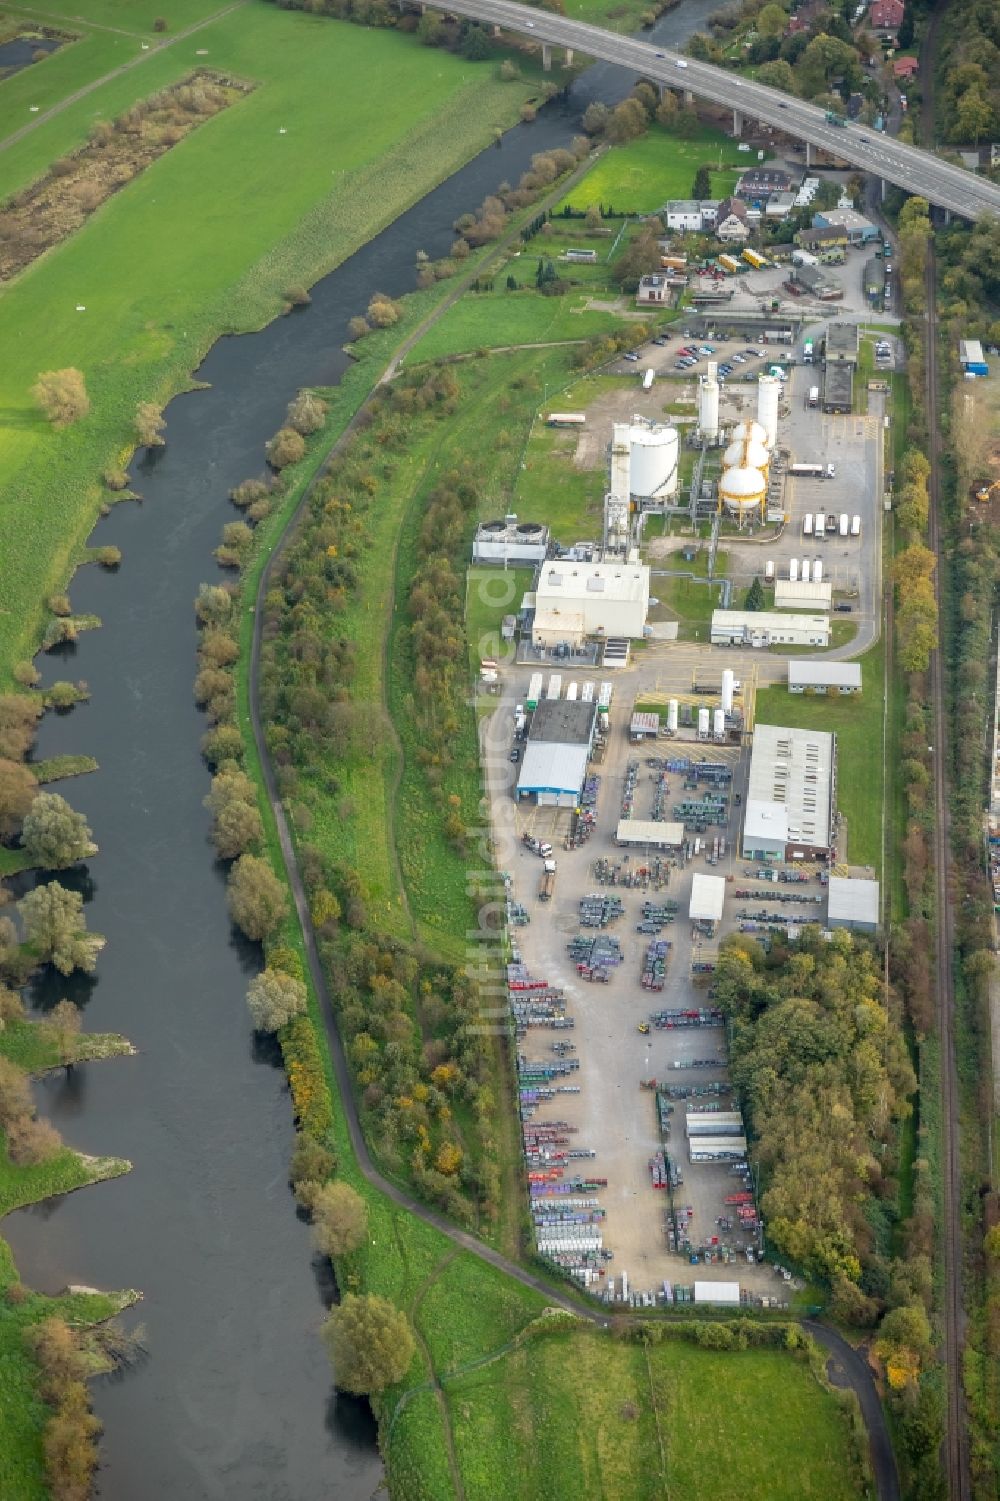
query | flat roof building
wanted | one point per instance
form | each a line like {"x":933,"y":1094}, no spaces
{"x":805,"y":676}
{"x":560,"y":738}
{"x":853,"y":903}
{"x":970,"y":352}
{"x":838,"y":386}
{"x":768,"y":628}
{"x":842,"y":342}
{"x":808,"y":598}
{"x":858,"y":229}
{"x":574,"y":600}
{"x":655,"y":288}
{"x":708,"y":897}
{"x":790,"y":794}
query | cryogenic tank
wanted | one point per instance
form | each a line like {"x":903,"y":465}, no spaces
{"x":728,"y":679}
{"x":708,"y":408}
{"x":748,"y":453}
{"x":702,"y":724}
{"x":793,"y":571}
{"x":818,"y":571}
{"x":805,"y":570}
{"x":768,"y":393}
{"x":745,"y":429}
{"x":742,"y":490}
{"x":572,"y":691}
{"x":672,"y":716}
{"x":719,"y":724}
{"x":653,"y":467}
{"x":768,"y":571}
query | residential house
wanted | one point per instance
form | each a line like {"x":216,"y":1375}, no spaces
{"x":779,"y":206}
{"x":905,"y":67}
{"x":653,"y":289}
{"x":886,"y":15}
{"x":684,"y":215}
{"x":758,"y":184}
{"x":734,"y":220}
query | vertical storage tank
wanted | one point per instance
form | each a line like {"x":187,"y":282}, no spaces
{"x":768,"y":393}
{"x":719,"y":725}
{"x":708,"y":408}
{"x":793,"y":571}
{"x":702,"y":724}
{"x":653,"y":461}
{"x":818,"y":571}
{"x":728,"y":679}
{"x":768,"y":571}
{"x":805,"y":570}
{"x":672,"y":716}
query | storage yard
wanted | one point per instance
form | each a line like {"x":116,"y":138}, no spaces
{"x":635,"y":1147}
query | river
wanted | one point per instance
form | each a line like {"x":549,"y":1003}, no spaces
{"x":235,"y":1398}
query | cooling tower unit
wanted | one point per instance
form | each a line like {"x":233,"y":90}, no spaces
{"x":728,"y":680}
{"x":768,"y":393}
{"x":653,"y":459}
{"x":708,"y":409}
{"x":742,"y":491}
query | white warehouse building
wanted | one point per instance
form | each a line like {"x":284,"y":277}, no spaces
{"x":803,"y":595}
{"x":767,"y":628}
{"x":560,"y":738}
{"x":806,"y":676}
{"x":576,"y":600}
{"x":790,"y":794}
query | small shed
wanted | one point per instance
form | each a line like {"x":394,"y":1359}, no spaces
{"x":651,"y":832}
{"x":717,"y":1292}
{"x":644,"y":727}
{"x":853,"y":903}
{"x":708,"y":895}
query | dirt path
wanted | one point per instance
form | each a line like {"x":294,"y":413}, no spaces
{"x":442,"y":1401}
{"x":88,"y":88}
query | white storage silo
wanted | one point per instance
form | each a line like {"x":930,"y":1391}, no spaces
{"x":793,"y":571}
{"x":653,"y":461}
{"x":768,"y":394}
{"x":805,"y":570}
{"x":672,"y":716}
{"x":742,"y":490}
{"x":708,"y":408}
{"x":719,"y":724}
{"x":702,"y":724}
{"x":728,"y":679}
{"x":818,"y":571}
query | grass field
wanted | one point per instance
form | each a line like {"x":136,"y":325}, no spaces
{"x":857,"y":723}
{"x":489,"y":320}
{"x":350,"y":162}
{"x":639,"y":178}
{"x":577,"y":1415}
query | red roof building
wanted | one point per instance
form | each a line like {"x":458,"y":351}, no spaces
{"x":886,"y":15}
{"x":905,"y":67}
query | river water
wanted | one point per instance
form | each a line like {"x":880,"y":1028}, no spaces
{"x":235,"y":1398}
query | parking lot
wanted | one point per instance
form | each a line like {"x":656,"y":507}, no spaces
{"x":610,"y":1057}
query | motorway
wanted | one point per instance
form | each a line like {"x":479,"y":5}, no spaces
{"x":951,"y":188}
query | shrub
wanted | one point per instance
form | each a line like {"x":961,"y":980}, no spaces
{"x":340,"y":1219}
{"x":357,"y":328}
{"x":108,"y":557}
{"x":256,"y":898}
{"x":370,"y":1344}
{"x":297,"y":297}
{"x":116,"y":479}
{"x":31,"y":1141}
{"x":149,"y":424}
{"x":306,"y":413}
{"x":274,"y":999}
{"x":286,"y":447}
{"x":62,"y":396}
{"x":306,"y":1078}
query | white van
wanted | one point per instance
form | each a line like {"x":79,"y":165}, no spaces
{"x":831,"y":471}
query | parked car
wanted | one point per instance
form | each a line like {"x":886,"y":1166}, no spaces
{"x":515,"y":754}
{"x":633,"y":357}
{"x":842,"y":609}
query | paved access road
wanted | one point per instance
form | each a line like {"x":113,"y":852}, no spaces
{"x":917,"y":171}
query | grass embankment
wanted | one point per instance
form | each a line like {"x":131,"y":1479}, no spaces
{"x":639,"y":178}
{"x":161,"y":269}
{"x":857,"y":723}
{"x":23,"y":1415}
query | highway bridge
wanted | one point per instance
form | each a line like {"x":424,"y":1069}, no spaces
{"x":951,"y":188}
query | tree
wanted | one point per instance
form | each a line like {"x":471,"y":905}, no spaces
{"x":286,"y":447}
{"x":18,"y":717}
{"x":755,"y":596}
{"x":18,"y":788}
{"x":772,"y":20}
{"x":273,"y":998}
{"x":702,"y":187}
{"x":340,"y":1219}
{"x":62,"y":396}
{"x":905,"y":33}
{"x":56,"y":929}
{"x":312,"y":1163}
{"x":306,"y":413}
{"x":777,"y":75}
{"x":31,"y":1141}
{"x":974,"y":114}
{"x":382,"y":311}
{"x":628,"y":121}
{"x":54,"y":835}
{"x":369,"y":1342}
{"x":65,"y":1023}
{"x":666,"y":110}
{"x":149,"y":424}
{"x":15,"y":1093}
{"x":256,"y":898}
{"x":214,"y":605}
{"x":640,"y":257}
{"x":595,"y":118}
{"x":592,"y":218}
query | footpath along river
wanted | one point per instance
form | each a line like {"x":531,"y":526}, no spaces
{"x":235,"y":1399}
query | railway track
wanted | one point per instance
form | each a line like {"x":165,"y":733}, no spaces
{"x":956,"y":1448}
